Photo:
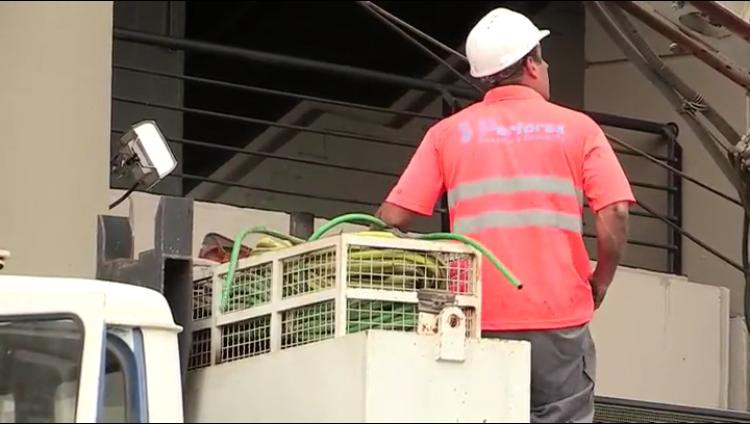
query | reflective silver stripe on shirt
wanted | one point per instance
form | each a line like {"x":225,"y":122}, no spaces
{"x":488,"y":186}
{"x":518,"y":219}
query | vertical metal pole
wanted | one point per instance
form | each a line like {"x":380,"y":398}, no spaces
{"x":674,"y":208}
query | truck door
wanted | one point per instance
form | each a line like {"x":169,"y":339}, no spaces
{"x":51,"y":350}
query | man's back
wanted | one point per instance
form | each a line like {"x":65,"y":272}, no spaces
{"x":516,"y":169}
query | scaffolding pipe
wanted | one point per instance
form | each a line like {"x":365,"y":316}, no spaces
{"x":704,"y":135}
{"x":676,"y":33}
{"x":696,"y":100}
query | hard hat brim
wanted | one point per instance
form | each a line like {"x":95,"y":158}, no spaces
{"x":540,"y":36}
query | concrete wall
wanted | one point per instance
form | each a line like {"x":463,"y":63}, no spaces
{"x":55,"y":81}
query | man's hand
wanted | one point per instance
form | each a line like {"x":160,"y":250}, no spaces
{"x":598,"y":291}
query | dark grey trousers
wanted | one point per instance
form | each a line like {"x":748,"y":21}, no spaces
{"x":563,"y":373}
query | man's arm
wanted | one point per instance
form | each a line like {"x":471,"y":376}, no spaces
{"x":611,"y":236}
{"x":609,"y":195}
{"x":396,"y":216}
{"x":418,"y":188}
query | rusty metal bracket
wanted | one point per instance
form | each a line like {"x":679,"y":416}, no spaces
{"x":720,"y":14}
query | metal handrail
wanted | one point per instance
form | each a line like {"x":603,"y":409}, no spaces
{"x":248,"y":152}
{"x":240,"y":118}
{"x":357,"y":202}
{"x":668,"y":131}
{"x":604,"y":119}
{"x":290,"y":62}
{"x":260,"y":90}
{"x":249,"y":120}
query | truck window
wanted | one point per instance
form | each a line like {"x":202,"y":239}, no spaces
{"x":114,"y":402}
{"x":123,"y":399}
{"x":40,"y":364}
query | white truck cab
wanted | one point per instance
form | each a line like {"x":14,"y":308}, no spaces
{"x":76,"y":350}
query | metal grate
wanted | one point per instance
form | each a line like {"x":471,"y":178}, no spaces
{"x":410,"y":270}
{"x":309,"y":273}
{"x":374,"y":314}
{"x":202,"y":290}
{"x":470,"y":314}
{"x":200,"y":349}
{"x":626,"y":411}
{"x":307,"y":324}
{"x":246,"y":338}
{"x":251,"y":287}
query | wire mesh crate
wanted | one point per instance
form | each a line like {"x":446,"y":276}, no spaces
{"x":329,"y":288}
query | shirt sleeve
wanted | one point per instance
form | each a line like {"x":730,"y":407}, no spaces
{"x":421,"y":184}
{"x":604,"y":181}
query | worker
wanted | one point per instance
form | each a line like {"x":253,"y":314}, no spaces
{"x":516,"y":169}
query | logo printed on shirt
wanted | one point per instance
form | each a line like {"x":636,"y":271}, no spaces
{"x":488,"y":131}
{"x":466,"y":133}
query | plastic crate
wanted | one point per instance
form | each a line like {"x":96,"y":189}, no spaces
{"x":329,"y":288}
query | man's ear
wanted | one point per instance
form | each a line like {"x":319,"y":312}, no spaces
{"x":532,"y":67}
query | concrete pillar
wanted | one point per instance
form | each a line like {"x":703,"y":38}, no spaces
{"x":55,"y":80}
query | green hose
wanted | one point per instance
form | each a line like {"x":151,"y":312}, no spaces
{"x":475,"y":244}
{"x":432,"y":236}
{"x":237,"y":247}
{"x":353,"y":217}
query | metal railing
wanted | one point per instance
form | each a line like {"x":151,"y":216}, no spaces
{"x":611,"y":410}
{"x":672,"y":190}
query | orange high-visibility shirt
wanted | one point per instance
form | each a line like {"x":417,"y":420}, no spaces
{"x":516,"y":168}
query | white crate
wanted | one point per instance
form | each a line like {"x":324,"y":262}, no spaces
{"x":328,"y":288}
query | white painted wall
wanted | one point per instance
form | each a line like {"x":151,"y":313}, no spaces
{"x":661,"y":338}
{"x":55,"y":77}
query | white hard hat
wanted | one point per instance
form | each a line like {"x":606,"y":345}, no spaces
{"x":500,"y":39}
